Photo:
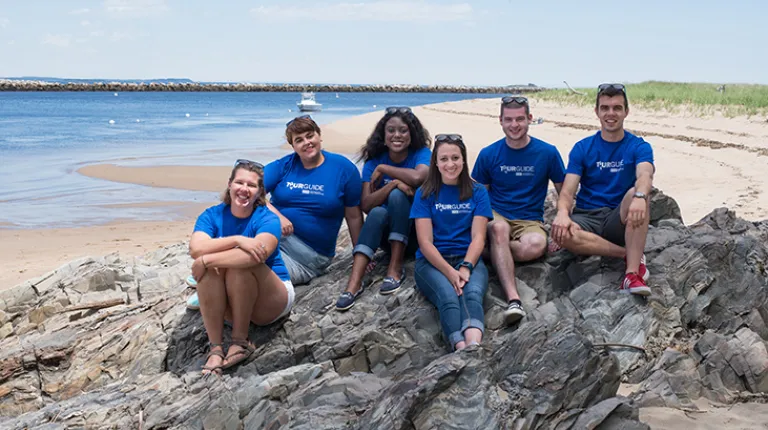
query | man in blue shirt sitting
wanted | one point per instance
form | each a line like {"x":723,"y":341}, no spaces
{"x":517,"y":170}
{"x":615,"y":170}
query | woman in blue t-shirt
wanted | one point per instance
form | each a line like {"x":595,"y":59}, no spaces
{"x":240,"y":275}
{"x":396,"y":158}
{"x":451,"y":214}
{"x":312,"y":191}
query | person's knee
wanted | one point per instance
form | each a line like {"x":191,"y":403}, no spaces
{"x":499,"y":232}
{"x":397,"y":197}
{"x":534,"y":245}
{"x":237,"y":275}
{"x":377,"y":215}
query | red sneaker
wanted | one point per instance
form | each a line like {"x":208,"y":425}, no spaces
{"x":642,"y":271}
{"x":634,"y":284}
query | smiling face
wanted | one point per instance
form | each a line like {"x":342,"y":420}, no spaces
{"x":245,"y":188}
{"x":450,"y":163}
{"x":515,"y":121}
{"x":611,"y":112}
{"x":307,"y":145}
{"x":397,"y":135}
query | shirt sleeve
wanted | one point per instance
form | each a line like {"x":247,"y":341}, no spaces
{"x":643,"y":152}
{"x":576,"y":160}
{"x":482,"y":202}
{"x":479,"y":172}
{"x":368,"y":169}
{"x":266,"y":222}
{"x":420,"y":206}
{"x":353,"y":187}
{"x":272,"y":173}
{"x":423,"y":156}
{"x":205,"y":223}
{"x":556,"y":167}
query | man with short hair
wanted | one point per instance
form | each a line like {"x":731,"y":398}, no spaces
{"x":516,"y":170}
{"x":615,"y":170}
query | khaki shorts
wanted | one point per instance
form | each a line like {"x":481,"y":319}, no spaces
{"x":519,"y":227}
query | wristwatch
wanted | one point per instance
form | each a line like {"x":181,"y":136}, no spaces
{"x":466,"y":264}
{"x":640,"y":195}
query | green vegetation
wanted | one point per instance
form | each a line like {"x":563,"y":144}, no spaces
{"x":737,"y":99}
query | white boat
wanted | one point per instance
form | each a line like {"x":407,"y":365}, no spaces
{"x":308,"y":103}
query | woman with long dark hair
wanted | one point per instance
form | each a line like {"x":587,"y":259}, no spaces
{"x":396,"y":158}
{"x":451,"y":213}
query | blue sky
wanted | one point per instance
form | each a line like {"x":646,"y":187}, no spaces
{"x":484,"y":42}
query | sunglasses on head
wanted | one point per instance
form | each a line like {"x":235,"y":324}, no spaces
{"x":298,"y":117}
{"x":248,"y":163}
{"x":448,"y":138}
{"x":402,"y":109}
{"x":514,"y":99}
{"x":603,"y":87}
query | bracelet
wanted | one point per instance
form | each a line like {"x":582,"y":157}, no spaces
{"x":202,"y":258}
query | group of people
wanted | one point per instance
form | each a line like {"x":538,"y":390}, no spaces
{"x":249,"y":251}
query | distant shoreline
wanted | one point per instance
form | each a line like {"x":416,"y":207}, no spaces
{"x":38,"y":85}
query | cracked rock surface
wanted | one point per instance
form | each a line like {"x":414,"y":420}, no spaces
{"x":101,"y":342}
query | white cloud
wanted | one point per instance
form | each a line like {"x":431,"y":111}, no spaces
{"x":4,"y":22}
{"x":79,"y":11}
{"x":60,"y":40}
{"x":85,"y":23}
{"x":135,"y":8}
{"x":381,"y":10}
{"x":118,"y":36}
{"x":96,"y":33}
{"x":11,"y":42}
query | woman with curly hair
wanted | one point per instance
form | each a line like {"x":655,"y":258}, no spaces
{"x":396,"y":158}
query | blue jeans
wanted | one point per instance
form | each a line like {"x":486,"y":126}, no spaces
{"x":303,"y":262}
{"x":457,"y":313}
{"x":394,"y":218}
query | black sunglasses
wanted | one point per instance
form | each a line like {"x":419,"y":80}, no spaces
{"x":448,"y":138}
{"x":298,"y":117}
{"x":248,"y":163}
{"x":514,"y":99}
{"x":402,"y":109}
{"x":603,"y":87}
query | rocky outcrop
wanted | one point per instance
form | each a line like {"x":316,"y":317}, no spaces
{"x":39,"y":85}
{"x":104,"y":342}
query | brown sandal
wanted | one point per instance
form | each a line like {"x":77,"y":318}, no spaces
{"x":239,"y":356}
{"x":219,"y":353}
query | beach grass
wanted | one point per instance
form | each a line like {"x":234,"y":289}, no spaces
{"x":734,"y":100}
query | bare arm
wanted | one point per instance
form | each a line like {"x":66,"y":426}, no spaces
{"x":567,"y":193}
{"x":202,"y":244}
{"x":286,"y":226}
{"x":427,"y":247}
{"x":371,"y":199}
{"x":354,"y":218}
{"x":558,"y":187}
{"x":479,"y":228}
{"x":644,"y":177}
{"x":239,"y":258}
{"x":412,"y":177}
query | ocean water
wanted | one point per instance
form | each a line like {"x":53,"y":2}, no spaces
{"x":46,"y":137}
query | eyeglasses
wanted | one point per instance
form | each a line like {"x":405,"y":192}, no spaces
{"x":514,"y":99}
{"x":402,"y":109}
{"x":248,"y":163}
{"x":298,"y":117}
{"x":603,"y":87}
{"x":448,"y":138}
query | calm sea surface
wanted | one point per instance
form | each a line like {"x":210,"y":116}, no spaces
{"x":46,"y":137}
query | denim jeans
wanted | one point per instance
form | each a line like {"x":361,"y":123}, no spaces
{"x":394,"y":218}
{"x":457,"y":313}
{"x":302,"y":262}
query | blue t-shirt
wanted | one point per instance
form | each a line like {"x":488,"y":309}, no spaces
{"x":218,"y":221}
{"x":414,"y":158}
{"x":314,"y":200}
{"x":518,"y":178}
{"x":451,"y":218}
{"x":607,"y":169}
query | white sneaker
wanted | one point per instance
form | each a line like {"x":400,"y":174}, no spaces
{"x":193,"y":303}
{"x":513,"y":313}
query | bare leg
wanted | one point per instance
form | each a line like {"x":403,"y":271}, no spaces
{"x":473,"y":335}
{"x":460,"y":345}
{"x":529,"y":247}
{"x":395,"y":259}
{"x":585,"y":243}
{"x":634,"y":237}
{"x":213,"y":301}
{"x":359,"y":264}
{"x":242,"y":292}
{"x":501,"y":257}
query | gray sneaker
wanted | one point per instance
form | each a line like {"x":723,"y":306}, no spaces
{"x":513,"y":313}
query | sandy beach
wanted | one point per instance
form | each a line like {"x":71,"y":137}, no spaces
{"x":704,"y":162}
